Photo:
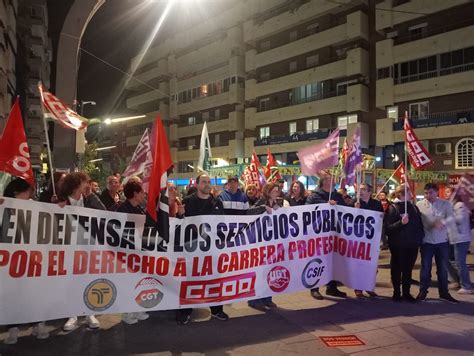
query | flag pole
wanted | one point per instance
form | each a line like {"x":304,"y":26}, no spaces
{"x":386,"y":182}
{"x":358,"y":178}
{"x":330,"y":190}
{"x":406,"y":165}
{"x":50,"y":159}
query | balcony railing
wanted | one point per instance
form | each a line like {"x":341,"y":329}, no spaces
{"x":296,"y":137}
{"x":307,"y":99}
{"x":439,"y":119}
{"x":433,"y":74}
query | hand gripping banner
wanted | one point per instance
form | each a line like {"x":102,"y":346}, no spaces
{"x":78,"y":261}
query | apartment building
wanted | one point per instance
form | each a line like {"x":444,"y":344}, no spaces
{"x":8,"y":51}
{"x":281,"y":75}
{"x":33,"y":65}
{"x":425,"y":65}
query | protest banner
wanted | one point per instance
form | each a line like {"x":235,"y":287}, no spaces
{"x":56,"y":262}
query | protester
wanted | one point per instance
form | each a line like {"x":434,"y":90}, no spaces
{"x":281,"y":185}
{"x":366,"y":202}
{"x":297,"y":194}
{"x":405,"y":235}
{"x":110,"y":196}
{"x":94,"y":187}
{"x":269,"y":202}
{"x":325,"y":193}
{"x":202,"y":203}
{"x":174,"y":202}
{"x":21,"y":189}
{"x":72,"y":193}
{"x":47,"y":196}
{"x":460,"y":241}
{"x":382,"y":197}
{"x":437,"y":216}
{"x":135,"y":196}
{"x":252,"y":194}
{"x":235,"y":201}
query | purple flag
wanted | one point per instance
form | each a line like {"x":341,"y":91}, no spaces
{"x":320,"y":156}
{"x":465,"y":190}
{"x":354,"y":158}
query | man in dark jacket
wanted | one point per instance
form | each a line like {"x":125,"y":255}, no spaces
{"x":202,"y":203}
{"x":110,"y":196}
{"x":405,"y":235}
{"x":235,"y":201}
{"x":320,"y":196}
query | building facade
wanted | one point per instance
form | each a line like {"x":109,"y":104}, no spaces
{"x":280,"y":75}
{"x":8,"y":51}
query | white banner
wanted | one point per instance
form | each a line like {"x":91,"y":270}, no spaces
{"x":60,"y":262}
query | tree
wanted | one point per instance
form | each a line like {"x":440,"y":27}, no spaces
{"x":95,"y":169}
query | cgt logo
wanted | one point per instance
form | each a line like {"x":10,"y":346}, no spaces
{"x":312,"y":273}
{"x":217,"y":290}
{"x":149,"y":295}
{"x":278,"y":279}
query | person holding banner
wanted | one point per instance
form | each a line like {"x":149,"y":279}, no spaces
{"x":21,"y":189}
{"x":110,"y":196}
{"x":48,"y":196}
{"x":135,"y":196}
{"x":405,"y":235}
{"x":325,"y":194}
{"x":251,"y":191}
{"x":366,"y":202}
{"x":438,"y":222}
{"x":297,"y":194}
{"x":72,"y":193}
{"x":202,"y":203}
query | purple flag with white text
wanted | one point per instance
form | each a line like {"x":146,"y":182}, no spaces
{"x":320,"y":156}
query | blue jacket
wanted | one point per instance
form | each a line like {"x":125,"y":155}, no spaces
{"x":234,"y":204}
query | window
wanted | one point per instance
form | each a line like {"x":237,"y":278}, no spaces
{"x":419,"y":110}
{"x":205,"y":115}
{"x":464,"y":154}
{"x":383,"y":73}
{"x":312,"y":61}
{"x":341,"y":88}
{"x":264,"y":104}
{"x":292,"y":128}
{"x":418,"y":31}
{"x":217,"y":139}
{"x":265,"y":45}
{"x":265,"y":76}
{"x":192,"y":120}
{"x":185,"y":167}
{"x":191,"y":143}
{"x":293,"y":36}
{"x":203,"y":90}
{"x":293,"y":66}
{"x":264,"y":132}
{"x":312,"y":125}
{"x":392,"y":34}
{"x":392,"y":112}
{"x":217,"y":114}
{"x":313,"y":28}
{"x":343,"y":121}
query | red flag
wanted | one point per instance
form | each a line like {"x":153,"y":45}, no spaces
{"x":252,"y":173}
{"x":55,"y":109}
{"x":419,"y":156}
{"x":159,"y":174}
{"x":270,"y":171}
{"x":14,"y":152}
{"x":400,"y":173}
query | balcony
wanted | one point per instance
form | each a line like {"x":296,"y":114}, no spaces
{"x":436,"y":73}
{"x":457,"y":117}
{"x":296,"y":137}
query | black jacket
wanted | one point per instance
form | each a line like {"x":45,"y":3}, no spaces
{"x":261,"y":206}
{"x":399,"y":235}
{"x":372,"y":204}
{"x":320,"y":196}
{"x":194,"y":206}
{"x":293,"y":202}
{"x":108,"y":201}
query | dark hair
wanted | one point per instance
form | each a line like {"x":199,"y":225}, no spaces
{"x":93,"y":181}
{"x":71,"y":182}
{"x":191,"y":190}
{"x":433,"y":186}
{"x":281,"y":180}
{"x":302,"y":189}
{"x":132,"y":187}
{"x":15,"y":187}
{"x":198,"y":178}
{"x":369,"y":187}
{"x":322,"y":179}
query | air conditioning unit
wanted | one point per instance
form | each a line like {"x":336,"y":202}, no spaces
{"x":443,"y":148}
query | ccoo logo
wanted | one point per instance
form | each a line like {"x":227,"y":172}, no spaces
{"x":149,"y":295}
{"x":312,"y":273}
{"x":278,"y":279}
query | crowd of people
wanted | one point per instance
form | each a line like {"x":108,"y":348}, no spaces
{"x":432,"y":227}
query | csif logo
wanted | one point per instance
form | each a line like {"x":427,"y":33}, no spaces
{"x":312,"y":273}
